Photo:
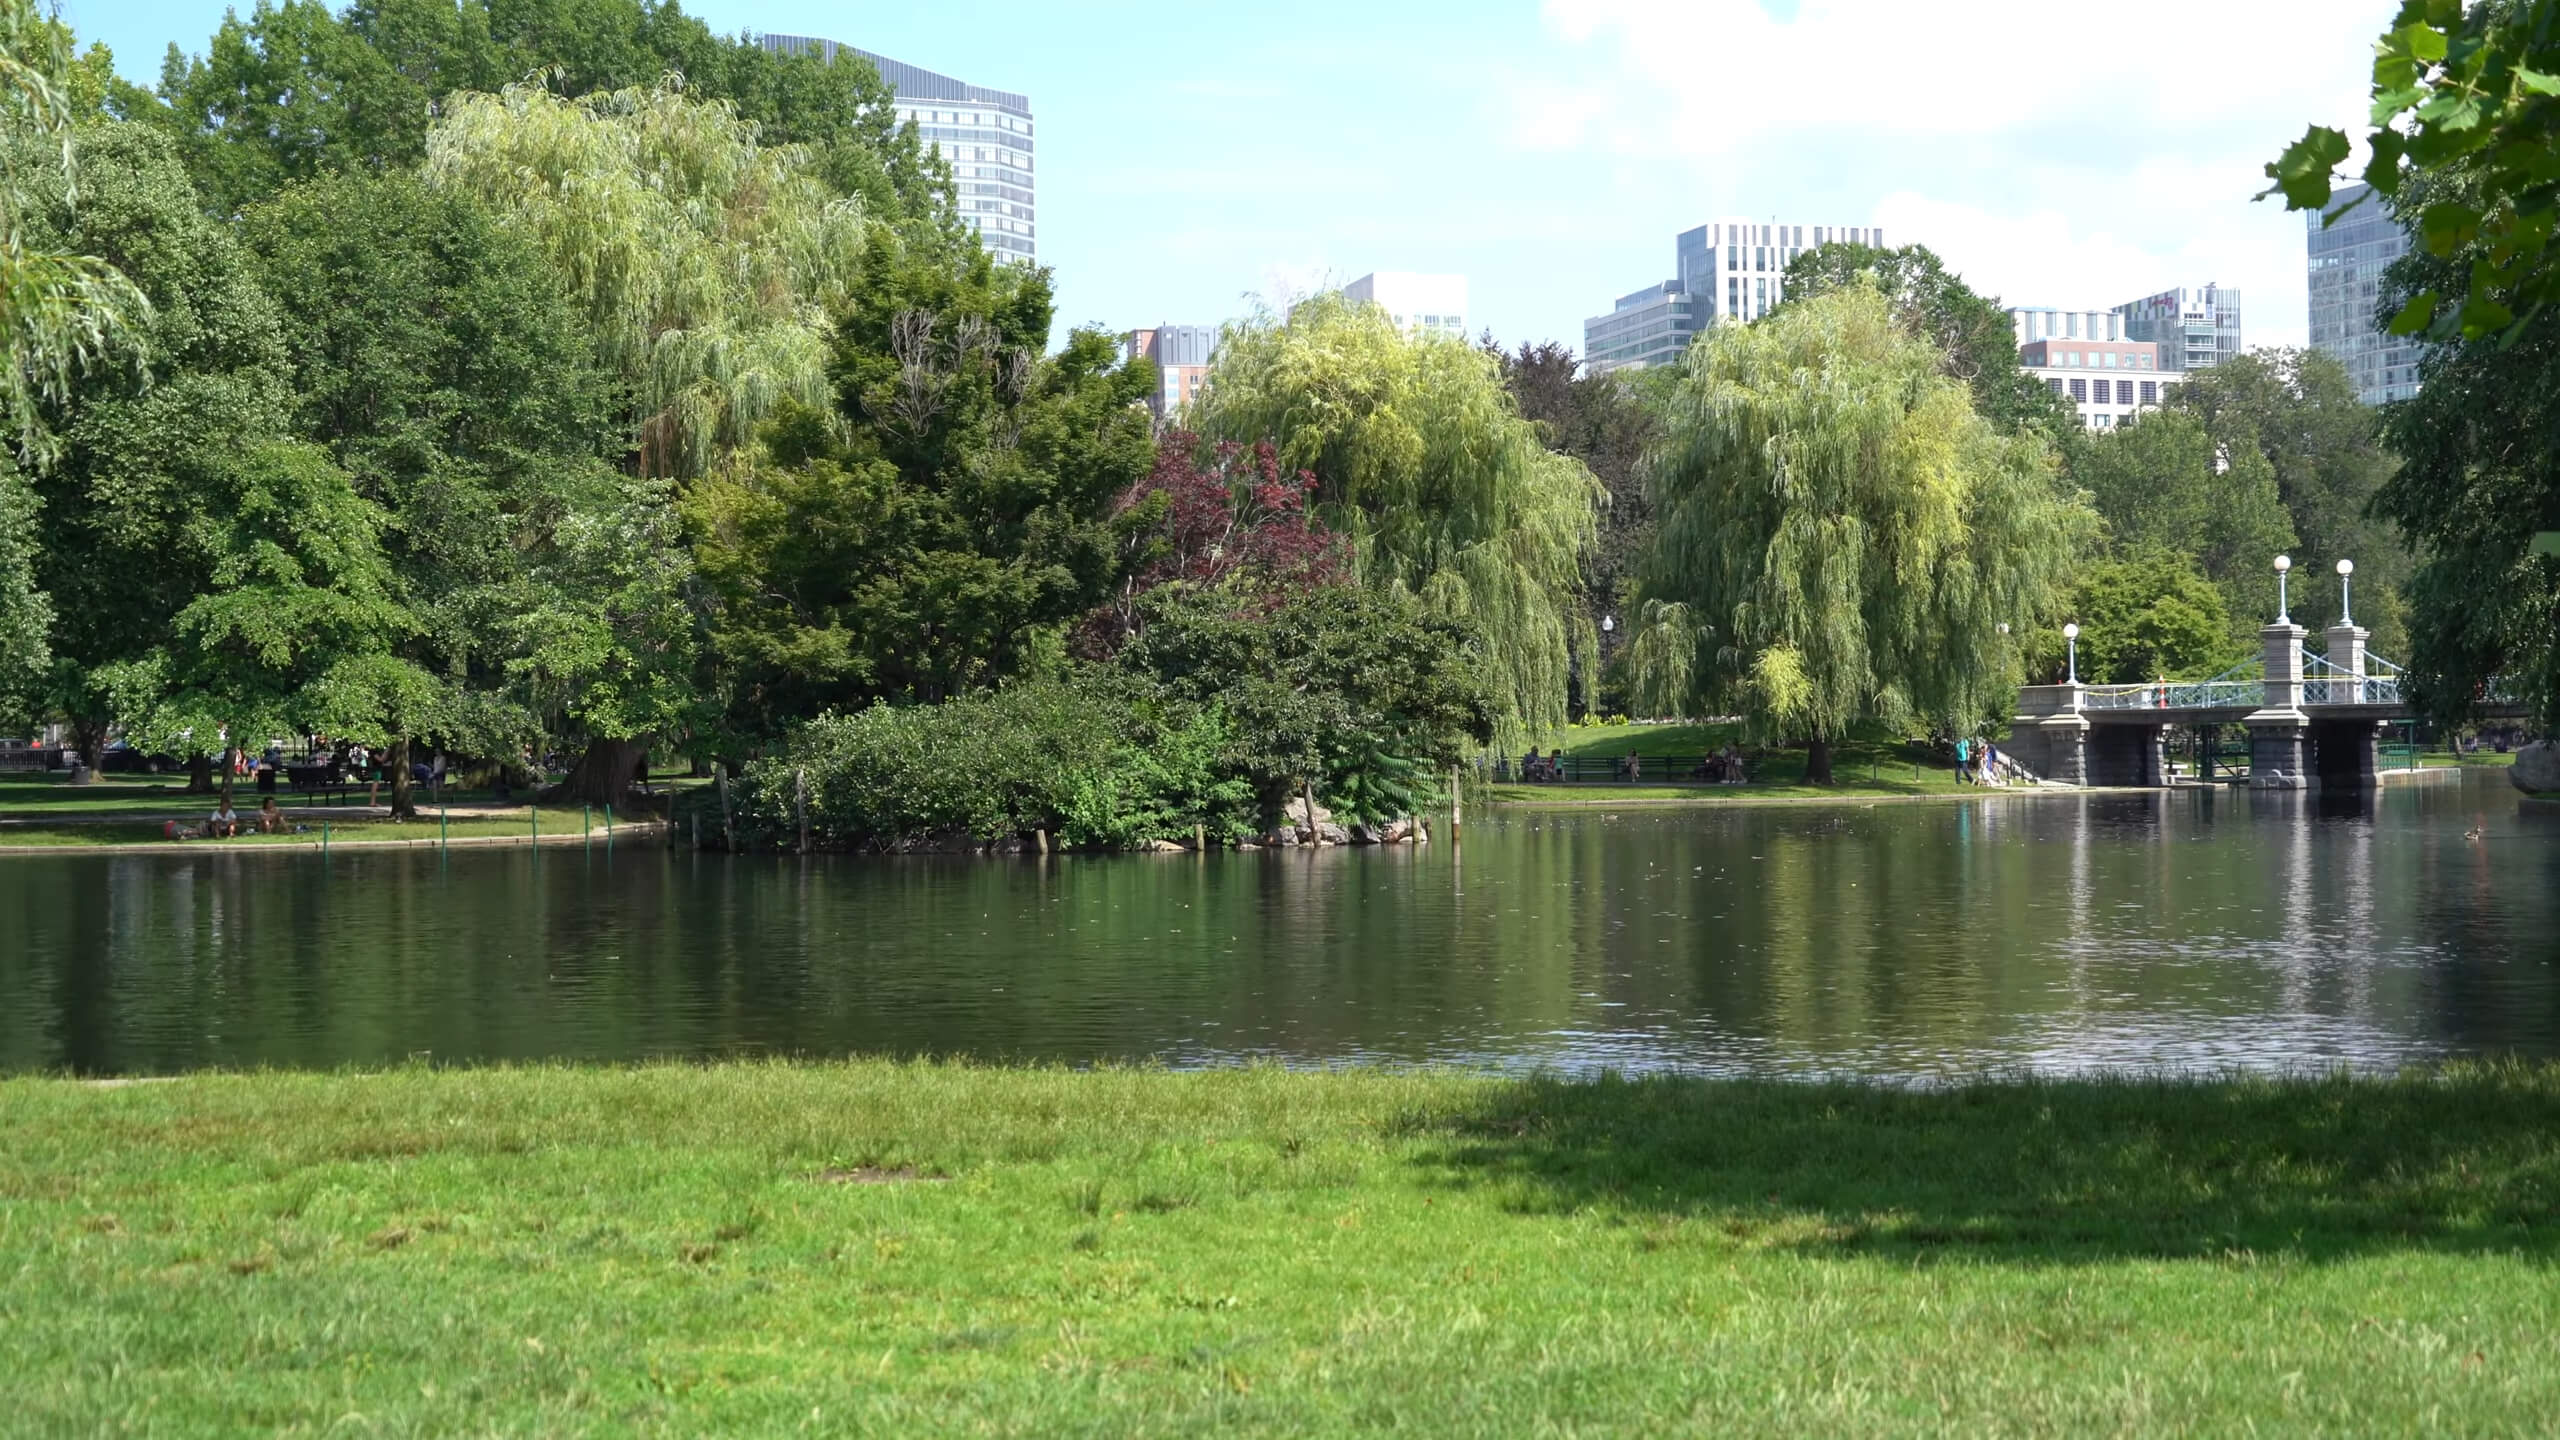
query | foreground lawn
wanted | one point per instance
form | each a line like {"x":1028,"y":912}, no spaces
{"x":909,"y":1249}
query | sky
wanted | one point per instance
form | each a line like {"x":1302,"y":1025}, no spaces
{"x":1195,"y":159}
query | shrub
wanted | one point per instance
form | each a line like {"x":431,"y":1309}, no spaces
{"x":1092,"y":761}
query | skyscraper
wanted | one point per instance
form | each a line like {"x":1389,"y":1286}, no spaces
{"x":985,"y":134}
{"x":2347,"y":261}
{"x":1727,"y":269}
{"x":2196,"y":329}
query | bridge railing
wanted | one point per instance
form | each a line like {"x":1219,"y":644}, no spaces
{"x":2344,"y":689}
{"x":2177,"y":695}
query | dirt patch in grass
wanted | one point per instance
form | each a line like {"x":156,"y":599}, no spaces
{"x":878,"y":1175}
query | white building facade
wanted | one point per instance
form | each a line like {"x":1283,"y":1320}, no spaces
{"x":2042,"y":322}
{"x":985,"y":134}
{"x":2107,"y":381}
{"x":1418,"y":303}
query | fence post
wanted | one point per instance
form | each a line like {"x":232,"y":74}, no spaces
{"x":587,"y":825}
{"x":1457,"y":806}
{"x":608,"y":829}
{"x":444,"y":827}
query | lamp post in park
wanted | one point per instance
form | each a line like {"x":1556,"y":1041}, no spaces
{"x":2346,"y":582}
{"x":2071,"y":639}
{"x":2284,"y":611}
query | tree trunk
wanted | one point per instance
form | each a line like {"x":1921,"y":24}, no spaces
{"x":404,"y":805}
{"x":1817,"y":761}
{"x":602,"y":776}
{"x":230,"y":762}
{"x":89,"y":738}
{"x":199,"y":774}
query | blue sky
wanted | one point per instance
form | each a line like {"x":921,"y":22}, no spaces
{"x":1193,"y":156}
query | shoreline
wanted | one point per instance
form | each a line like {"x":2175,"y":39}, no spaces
{"x":306,"y":845}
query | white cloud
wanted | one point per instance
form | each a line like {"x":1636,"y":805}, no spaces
{"x":2056,"y":153}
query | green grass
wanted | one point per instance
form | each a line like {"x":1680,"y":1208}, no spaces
{"x":344,"y":827}
{"x":915,"y":1249}
{"x":1865,"y":768}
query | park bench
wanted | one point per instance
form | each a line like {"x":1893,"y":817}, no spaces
{"x":323,"y":779}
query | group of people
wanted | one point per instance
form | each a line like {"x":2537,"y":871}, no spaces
{"x":1547,"y":767}
{"x":1979,"y":762}
{"x":227,"y":822}
{"x":1724,"y":767}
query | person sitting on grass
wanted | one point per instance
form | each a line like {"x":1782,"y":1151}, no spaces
{"x":270,"y":819}
{"x":225,"y":822}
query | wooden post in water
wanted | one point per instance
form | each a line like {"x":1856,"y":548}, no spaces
{"x":1457,"y":806}
{"x":1200,"y":838}
{"x":1307,"y":792}
{"x":608,"y":829}
{"x":728,"y":826}
{"x":1040,"y":841}
{"x":800,"y":803}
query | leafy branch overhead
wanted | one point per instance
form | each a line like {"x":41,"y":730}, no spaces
{"x":2479,"y":89}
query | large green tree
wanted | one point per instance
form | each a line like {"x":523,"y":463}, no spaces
{"x":2167,"y":483}
{"x":941,"y":528}
{"x":1425,"y":462}
{"x":293,"y":91}
{"x":1607,"y":422}
{"x":1975,"y":339}
{"x":2146,"y":614}
{"x":2298,"y":410}
{"x":2479,"y":482}
{"x":442,"y":362}
{"x":708,"y":264}
{"x":1842,"y":535}
{"x":182,"y":524}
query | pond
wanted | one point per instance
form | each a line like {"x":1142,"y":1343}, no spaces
{"x":2181,"y":930}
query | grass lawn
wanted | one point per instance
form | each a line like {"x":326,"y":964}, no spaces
{"x":344,"y":827}
{"x":1865,"y":768}
{"x":914,"y":1249}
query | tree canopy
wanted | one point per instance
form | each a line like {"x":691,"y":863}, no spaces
{"x":1424,"y":461}
{"x":2470,"y":87}
{"x":1973,"y":335}
{"x":2479,"y":480}
{"x":1842,"y":535}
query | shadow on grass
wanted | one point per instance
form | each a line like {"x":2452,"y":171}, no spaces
{"x":2464,"y":1160}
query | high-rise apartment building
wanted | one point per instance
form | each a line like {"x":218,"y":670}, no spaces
{"x":1182,"y":354}
{"x":985,"y":134}
{"x":2196,"y":329}
{"x":2348,"y":255}
{"x":1732,"y":269}
{"x":1419,"y":304}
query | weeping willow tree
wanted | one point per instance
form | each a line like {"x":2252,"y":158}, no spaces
{"x":708,"y":263}
{"x":1841,"y":535}
{"x":60,"y":313}
{"x":1422,"y":458}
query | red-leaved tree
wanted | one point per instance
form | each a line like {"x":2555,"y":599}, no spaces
{"x":1216,"y":515}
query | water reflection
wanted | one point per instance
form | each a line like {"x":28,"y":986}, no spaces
{"x":2191,"y":929}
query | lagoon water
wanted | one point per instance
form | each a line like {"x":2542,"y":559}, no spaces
{"x":2178,"y":931}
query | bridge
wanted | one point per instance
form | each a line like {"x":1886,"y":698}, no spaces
{"x":2313,"y":720}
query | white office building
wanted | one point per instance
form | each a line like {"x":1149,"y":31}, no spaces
{"x":1728,"y":269}
{"x":985,"y":134}
{"x":2107,"y":381}
{"x":2196,"y":327}
{"x":1418,"y":303}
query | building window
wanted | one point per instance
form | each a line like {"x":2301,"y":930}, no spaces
{"x":1760,"y":298}
{"x":2124,"y":392}
{"x":2056,"y":382}
{"x":1732,"y":295}
{"x":2150,"y":392}
{"x":2080,"y":391}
